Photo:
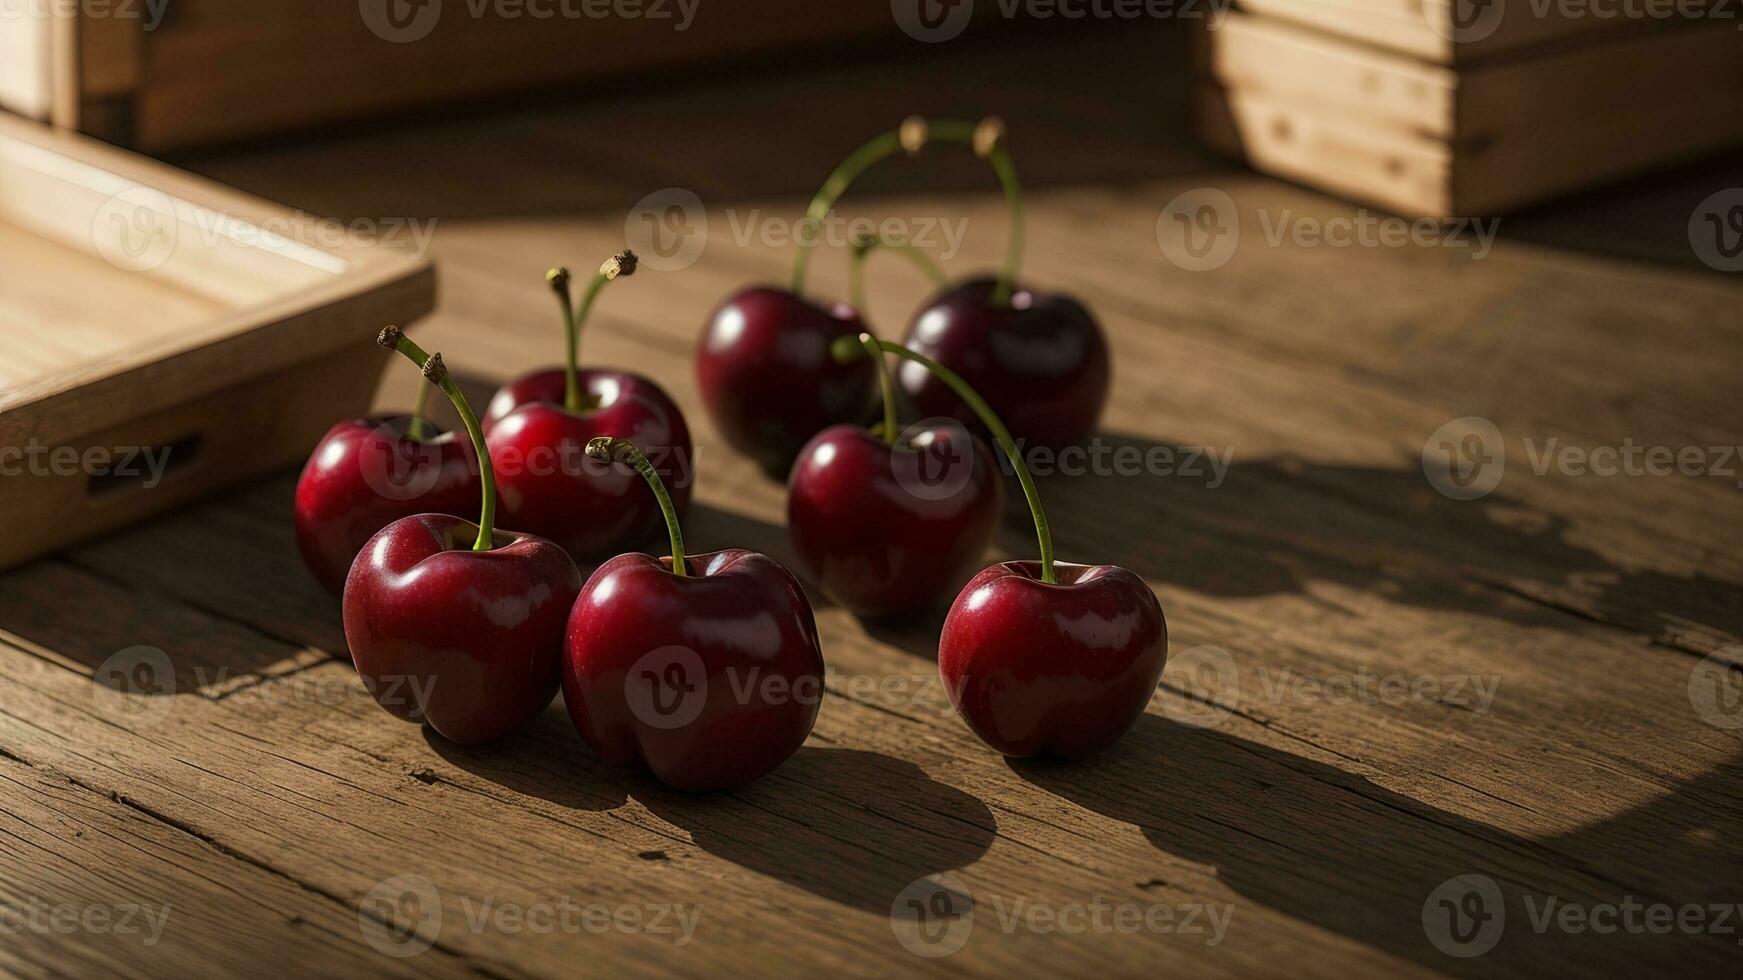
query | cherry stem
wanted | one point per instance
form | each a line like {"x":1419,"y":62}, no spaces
{"x":886,"y":383}
{"x":863,"y":247}
{"x":845,"y":349}
{"x":986,"y":137}
{"x":418,"y":429}
{"x":610,"y":450}
{"x":621,"y":264}
{"x":437,"y":374}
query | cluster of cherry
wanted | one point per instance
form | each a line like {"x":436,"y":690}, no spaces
{"x":707,"y":668}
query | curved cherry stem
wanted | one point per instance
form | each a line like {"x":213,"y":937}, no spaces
{"x":609,"y":450}
{"x":621,"y":264}
{"x":847,"y":348}
{"x":886,"y":384}
{"x":987,"y":139}
{"x":863,"y":247}
{"x":419,"y":429}
{"x":437,"y":374}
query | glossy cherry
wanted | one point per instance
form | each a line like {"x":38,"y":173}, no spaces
{"x":1041,"y":656}
{"x":704,"y":668}
{"x":538,"y":427}
{"x":1040,"y":361}
{"x":766,"y":377}
{"x":367,"y":473}
{"x":456,"y":624}
{"x":892,"y":522}
{"x":1062,"y":668}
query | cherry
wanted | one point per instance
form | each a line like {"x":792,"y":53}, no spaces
{"x":365,"y":474}
{"x":704,"y":668}
{"x":765,"y":373}
{"x":456,"y":624}
{"x":889,"y":522}
{"x":1041,"y":361}
{"x":537,"y":428}
{"x":1039,"y":656}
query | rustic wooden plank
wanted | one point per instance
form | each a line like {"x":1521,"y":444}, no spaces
{"x":94,"y":885}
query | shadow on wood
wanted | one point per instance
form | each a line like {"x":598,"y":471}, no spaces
{"x":1336,"y":850}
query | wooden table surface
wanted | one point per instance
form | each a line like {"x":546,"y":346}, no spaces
{"x":1374,"y":688}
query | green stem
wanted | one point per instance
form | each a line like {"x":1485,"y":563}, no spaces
{"x":987,"y":139}
{"x":609,"y":450}
{"x":437,"y":374}
{"x":862,"y":248}
{"x":1007,"y":172}
{"x":418,"y":429}
{"x":559,"y":280}
{"x":846,"y":348}
{"x":886,"y":383}
{"x":621,"y":264}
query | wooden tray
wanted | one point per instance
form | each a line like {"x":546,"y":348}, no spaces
{"x":1426,"y":139}
{"x":144,"y":308}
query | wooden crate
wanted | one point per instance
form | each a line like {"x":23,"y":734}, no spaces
{"x":1445,"y":140}
{"x":146,"y":310}
{"x":217,"y":70}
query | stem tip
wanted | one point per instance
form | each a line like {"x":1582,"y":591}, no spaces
{"x":913,"y":134}
{"x":989,"y":135}
{"x":621,"y":264}
{"x":389,"y":337}
{"x":602,"y":449}
{"x":434,"y":370}
{"x":558,"y":278}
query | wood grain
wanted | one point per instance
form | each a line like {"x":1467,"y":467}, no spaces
{"x":1585,"y":605}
